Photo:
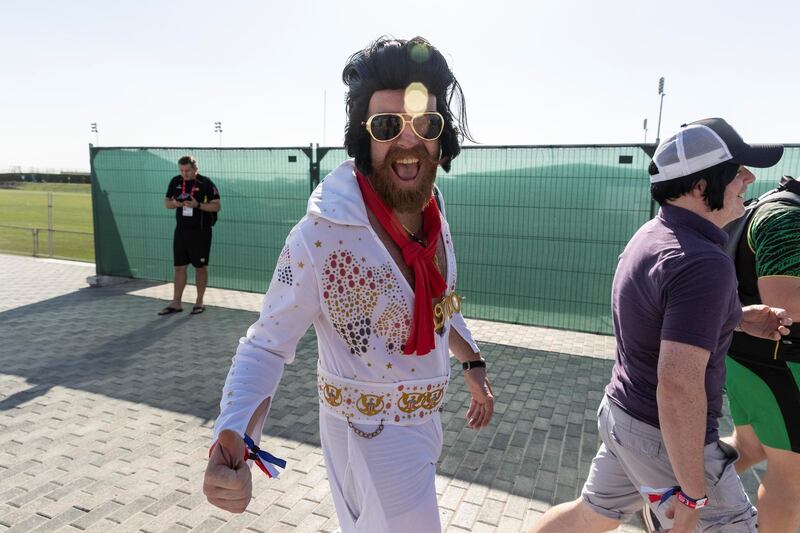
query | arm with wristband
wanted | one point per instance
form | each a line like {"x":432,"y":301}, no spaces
{"x":287,"y":312}
{"x":682,"y":407}
{"x":699,"y":299}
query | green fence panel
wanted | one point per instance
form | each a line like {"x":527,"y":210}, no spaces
{"x":537,"y":229}
{"x":263,"y":194}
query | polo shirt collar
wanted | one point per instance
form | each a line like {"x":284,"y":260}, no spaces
{"x":678,"y":215}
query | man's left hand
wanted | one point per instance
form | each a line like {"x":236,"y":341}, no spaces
{"x":765,"y":321}
{"x":481,"y":407}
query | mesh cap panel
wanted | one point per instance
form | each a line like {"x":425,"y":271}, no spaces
{"x":698,"y":143}
{"x":669,"y":155}
{"x":693,"y":148}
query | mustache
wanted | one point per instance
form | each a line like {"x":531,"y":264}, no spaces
{"x":396,"y":153}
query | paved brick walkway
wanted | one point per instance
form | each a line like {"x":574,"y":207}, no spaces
{"x":106,"y":411}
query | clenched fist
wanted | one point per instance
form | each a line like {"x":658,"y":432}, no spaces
{"x":227,"y":482}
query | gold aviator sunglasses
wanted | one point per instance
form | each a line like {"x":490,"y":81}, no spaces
{"x":385,"y":127}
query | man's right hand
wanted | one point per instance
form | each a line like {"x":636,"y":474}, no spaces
{"x":684,"y":518}
{"x":228,"y":483}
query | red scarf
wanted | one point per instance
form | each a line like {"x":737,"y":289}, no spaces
{"x":428,"y":281}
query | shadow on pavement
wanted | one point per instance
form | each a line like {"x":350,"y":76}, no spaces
{"x":106,"y":342}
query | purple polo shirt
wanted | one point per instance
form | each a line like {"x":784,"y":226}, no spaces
{"x":673,"y":282}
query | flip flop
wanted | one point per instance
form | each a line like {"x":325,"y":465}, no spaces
{"x":169,"y":310}
{"x":197,"y":309}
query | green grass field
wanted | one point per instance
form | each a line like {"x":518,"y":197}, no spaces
{"x":25,"y":209}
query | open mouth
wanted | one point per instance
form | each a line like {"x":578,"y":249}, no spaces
{"x":406,"y":168}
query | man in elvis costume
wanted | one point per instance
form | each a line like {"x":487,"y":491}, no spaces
{"x":372,"y":267}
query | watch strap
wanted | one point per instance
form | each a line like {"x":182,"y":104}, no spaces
{"x":467,"y":365}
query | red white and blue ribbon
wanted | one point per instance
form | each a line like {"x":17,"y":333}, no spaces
{"x":263,"y":459}
{"x":659,"y":495}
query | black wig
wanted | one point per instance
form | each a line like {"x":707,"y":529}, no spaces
{"x":395,"y":64}
{"x":717,"y":179}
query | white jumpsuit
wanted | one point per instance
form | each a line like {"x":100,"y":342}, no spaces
{"x":336,"y":274}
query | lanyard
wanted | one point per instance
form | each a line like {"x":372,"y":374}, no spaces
{"x":193,"y":189}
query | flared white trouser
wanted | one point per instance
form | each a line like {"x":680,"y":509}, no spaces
{"x":385,"y":484}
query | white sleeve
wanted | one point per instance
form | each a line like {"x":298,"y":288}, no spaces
{"x":460,"y":325}
{"x":290,"y":306}
{"x":457,"y":319}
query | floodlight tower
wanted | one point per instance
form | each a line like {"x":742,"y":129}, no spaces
{"x":660,"y":107}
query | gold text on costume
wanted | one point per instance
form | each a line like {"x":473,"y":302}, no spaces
{"x":369,"y":404}
{"x":443,"y":310}
{"x":333,"y":395}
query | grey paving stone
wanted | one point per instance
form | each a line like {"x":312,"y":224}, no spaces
{"x":29,"y":523}
{"x":57,"y":522}
{"x":124,"y":445}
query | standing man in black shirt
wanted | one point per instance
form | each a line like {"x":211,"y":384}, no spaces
{"x":195,"y":200}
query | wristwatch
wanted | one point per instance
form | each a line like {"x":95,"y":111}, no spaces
{"x":467,"y":365}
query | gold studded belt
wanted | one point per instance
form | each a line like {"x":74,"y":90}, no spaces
{"x":404,"y":403}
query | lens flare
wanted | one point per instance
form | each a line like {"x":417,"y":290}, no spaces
{"x":420,"y":53}
{"x":416,"y":98}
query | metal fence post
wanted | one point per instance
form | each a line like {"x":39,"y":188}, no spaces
{"x":50,"y":224}
{"x":35,"y":232}
{"x":315,"y":155}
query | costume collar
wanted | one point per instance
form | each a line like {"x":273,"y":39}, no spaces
{"x":338,"y":198}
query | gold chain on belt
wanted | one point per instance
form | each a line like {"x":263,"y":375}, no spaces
{"x":364,"y":434}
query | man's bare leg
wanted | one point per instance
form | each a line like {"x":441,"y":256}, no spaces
{"x":779,"y":492}
{"x":751,"y":452}
{"x":180,"y":284}
{"x":571,"y":517}
{"x":201,"y":281}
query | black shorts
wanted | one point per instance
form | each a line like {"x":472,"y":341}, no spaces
{"x":191,"y":246}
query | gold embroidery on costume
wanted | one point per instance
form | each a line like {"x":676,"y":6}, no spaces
{"x":401,"y":403}
{"x":333,"y":395}
{"x":432,"y":399}
{"x":369,"y":404}
{"x":442,"y":311}
{"x":411,"y":401}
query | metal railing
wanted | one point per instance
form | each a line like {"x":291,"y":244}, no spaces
{"x":44,"y":242}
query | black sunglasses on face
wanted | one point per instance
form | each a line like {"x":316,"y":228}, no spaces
{"x":385,"y":127}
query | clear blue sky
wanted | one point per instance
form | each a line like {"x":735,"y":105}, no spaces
{"x":159,"y":73}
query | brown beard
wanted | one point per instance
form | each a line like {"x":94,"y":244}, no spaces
{"x":400,"y":199}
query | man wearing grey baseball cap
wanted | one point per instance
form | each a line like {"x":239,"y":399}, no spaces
{"x":674,"y":308}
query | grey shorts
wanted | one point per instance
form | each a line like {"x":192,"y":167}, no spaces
{"x":633,"y":456}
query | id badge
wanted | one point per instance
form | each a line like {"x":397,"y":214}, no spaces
{"x":188,"y":211}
